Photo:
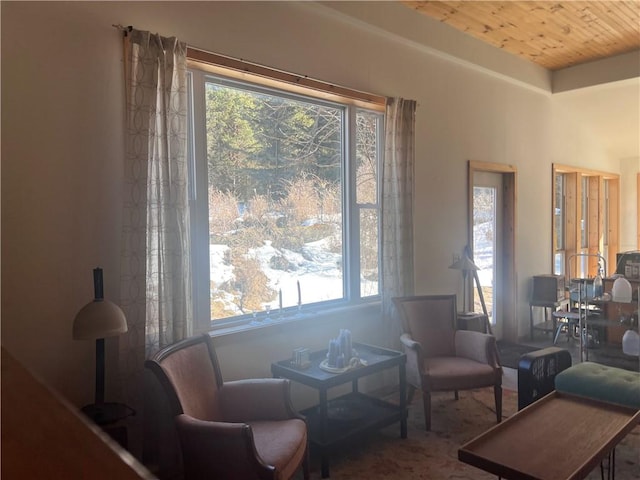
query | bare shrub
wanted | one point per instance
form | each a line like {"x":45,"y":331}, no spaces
{"x":369,"y":244}
{"x":218,"y":309}
{"x":218,"y":306}
{"x":301,"y":200}
{"x":223,"y":212}
{"x":290,"y":238}
{"x":246,"y":238}
{"x":329,"y":195}
{"x":366,"y":182}
{"x":316,"y":232}
{"x":367,"y":153}
{"x":489,"y":235}
{"x":259,"y":223}
{"x":251,"y":285}
{"x":258,"y":210}
{"x":335,"y":243}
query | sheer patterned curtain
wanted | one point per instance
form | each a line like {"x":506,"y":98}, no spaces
{"x":397,"y":210}
{"x":156,"y":258}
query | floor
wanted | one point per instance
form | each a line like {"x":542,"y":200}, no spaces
{"x":603,"y":353}
{"x":607,"y":354}
{"x":510,"y":379}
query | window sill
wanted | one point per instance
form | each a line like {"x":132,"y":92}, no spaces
{"x":296,"y":320}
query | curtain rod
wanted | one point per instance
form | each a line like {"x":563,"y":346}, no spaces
{"x":123,"y":29}
{"x":243,"y":67}
{"x":250,"y":67}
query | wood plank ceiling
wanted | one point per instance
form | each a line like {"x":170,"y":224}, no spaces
{"x":553,"y":34}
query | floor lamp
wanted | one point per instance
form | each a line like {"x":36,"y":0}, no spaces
{"x":465,"y":265}
{"x":98,"y":320}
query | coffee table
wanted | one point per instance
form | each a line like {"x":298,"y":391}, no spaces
{"x":336,"y":423}
{"x":561,"y":436}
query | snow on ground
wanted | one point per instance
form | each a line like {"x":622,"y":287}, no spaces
{"x":219,"y":271}
{"x":319,"y":270}
{"x":483,"y":252}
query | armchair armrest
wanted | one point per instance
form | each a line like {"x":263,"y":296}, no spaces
{"x":477,"y":346}
{"x":409,"y":343}
{"x":217,"y":449}
{"x":415,"y":359}
{"x":256,"y":399}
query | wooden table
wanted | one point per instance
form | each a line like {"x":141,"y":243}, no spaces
{"x":337,"y":423}
{"x":560,"y":436}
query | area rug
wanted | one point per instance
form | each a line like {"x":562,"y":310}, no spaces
{"x":510,"y":353}
{"x":434,"y":455}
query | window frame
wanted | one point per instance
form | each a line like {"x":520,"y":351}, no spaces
{"x":559,"y":238}
{"x":580,"y":260}
{"x":202,"y":65}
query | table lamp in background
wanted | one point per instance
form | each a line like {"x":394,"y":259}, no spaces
{"x":623,"y":293}
{"x":96,"y":321}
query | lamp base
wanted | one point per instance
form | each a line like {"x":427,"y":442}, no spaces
{"x":107,"y":413}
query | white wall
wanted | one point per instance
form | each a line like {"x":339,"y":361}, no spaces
{"x":62,"y":132}
{"x":629,"y":169}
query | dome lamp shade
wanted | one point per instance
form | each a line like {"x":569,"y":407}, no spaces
{"x":621,"y":290}
{"x":96,"y":321}
{"x":99,"y":319}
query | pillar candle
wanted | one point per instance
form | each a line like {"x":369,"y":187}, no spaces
{"x":333,"y":353}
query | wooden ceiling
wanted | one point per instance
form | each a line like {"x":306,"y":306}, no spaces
{"x":553,"y":34}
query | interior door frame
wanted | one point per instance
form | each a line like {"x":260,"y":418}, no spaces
{"x":508,"y":299}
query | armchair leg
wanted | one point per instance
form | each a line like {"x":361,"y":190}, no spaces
{"x":426,"y":401}
{"x":455,"y":394}
{"x":497,"y":393}
{"x":305,"y":466}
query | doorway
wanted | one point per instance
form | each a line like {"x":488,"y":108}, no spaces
{"x":491,"y":231}
{"x":487,"y":244}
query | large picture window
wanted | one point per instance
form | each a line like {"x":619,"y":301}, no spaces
{"x":585,"y":221}
{"x":286,"y":203}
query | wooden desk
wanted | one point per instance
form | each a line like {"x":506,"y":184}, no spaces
{"x":558,"y":437}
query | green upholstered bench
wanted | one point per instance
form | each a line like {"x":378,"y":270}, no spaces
{"x":601,"y":382}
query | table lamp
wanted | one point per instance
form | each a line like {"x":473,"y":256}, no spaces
{"x":96,"y":321}
{"x":621,"y":290}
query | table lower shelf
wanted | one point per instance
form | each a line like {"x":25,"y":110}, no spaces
{"x":348,"y":417}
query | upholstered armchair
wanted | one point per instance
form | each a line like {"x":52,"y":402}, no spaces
{"x":441,"y":358}
{"x":243,"y":429}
